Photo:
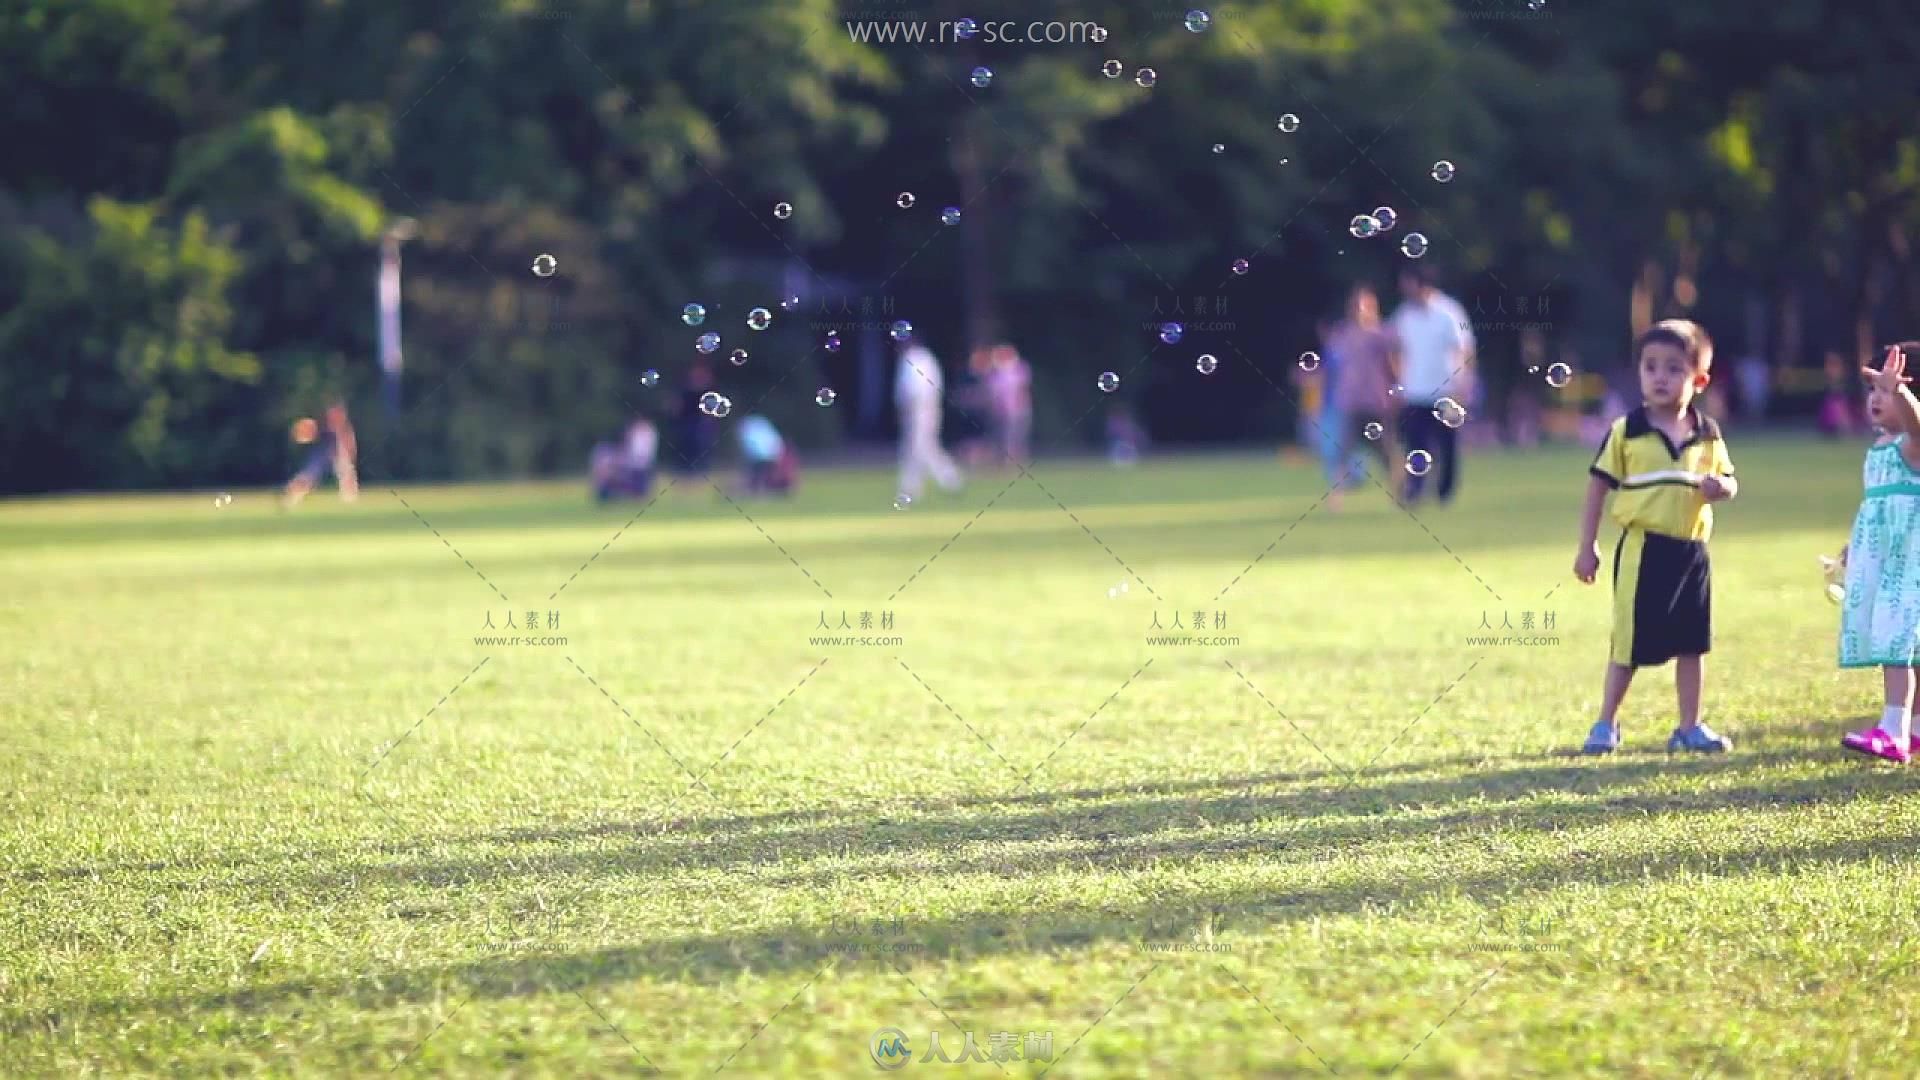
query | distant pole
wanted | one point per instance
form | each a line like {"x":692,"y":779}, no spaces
{"x":389,"y":309}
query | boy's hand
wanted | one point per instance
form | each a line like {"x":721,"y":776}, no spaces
{"x":1715,"y":489}
{"x":1587,"y":564}
{"x":1892,"y":374}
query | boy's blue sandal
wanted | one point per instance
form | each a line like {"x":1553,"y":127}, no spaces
{"x":1603,"y":739}
{"x":1700,"y":739}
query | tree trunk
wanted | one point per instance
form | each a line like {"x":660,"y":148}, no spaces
{"x":976,"y":274}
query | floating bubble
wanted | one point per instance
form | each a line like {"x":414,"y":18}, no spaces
{"x":982,"y":77}
{"x":1113,"y":593}
{"x":950,"y":216}
{"x":1111,"y":69}
{"x":1284,"y":161}
{"x":1097,"y":35}
{"x":1450,"y":412}
{"x":650,"y":378}
{"x":709,"y":401}
{"x":824,"y":397}
{"x":1396,"y":390}
{"x":1385,"y":216}
{"x":1443,"y":171}
{"x":222,"y":499}
{"x":1413,"y":245}
{"x":1533,"y":369}
{"x":1373,"y":431}
{"x":1241,"y":266}
{"x":1289,"y":123}
{"x":1559,"y":375}
{"x":1536,"y":5}
{"x":1146,"y":77}
{"x":723,"y":407}
{"x":900,"y":330}
{"x":1171,"y":332}
{"x":965,"y":29}
{"x":904,"y":200}
{"x":1418,"y":462}
{"x":693,"y":314}
{"x":1206,"y":364}
{"x":707,"y":342}
{"x":738,"y":356}
{"x":902,"y":501}
{"x":1363,"y":225}
{"x":760,"y":318}
{"x":1219,"y":148}
{"x":1109,"y":382}
{"x":783,"y":210}
{"x":833,"y":341}
{"x":788,"y":303}
{"x":1309,"y":361}
{"x":1198,"y":20}
{"x":545,"y":265}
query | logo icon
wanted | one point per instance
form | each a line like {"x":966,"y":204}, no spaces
{"x":889,"y":1049}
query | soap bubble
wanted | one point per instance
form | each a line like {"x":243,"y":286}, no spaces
{"x":965,"y":29}
{"x":1363,"y":225}
{"x":650,"y":378}
{"x":709,"y":401}
{"x":760,"y":318}
{"x":1373,"y":431}
{"x":1097,"y":35}
{"x":904,"y":200}
{"x":783,"y":210}
{"x":1289,"y":123}
{"x":1207,"y":364}
{"x":1309,"y":361}
{"x":707,"y":342}
{"x":950,"y":216}
{"x":982,"y":77}
{"x":824,"y":396}
{"x":1450,"y":412}
{"x":902,"y":501}
{"x":738,"y":356}
{"x":1385,"y":216}
{"x":1443,"y":171}
{"x":693,"y":314}
{"x":1418,"y":462}
{"x":1146,"y":77}
{"x":724,"y":407}
{"x":1241,"y":266}
{"x":1219,"y":148}
{"x":1111,"y":69}
{"x":833,"y":341}
{"x":1171,"y":332}
{"x":1109,"y":382}
{"x":1559,"y":375}
{"x":788,"y":303}
{"x":544,"y":265}
{"x":1413,"y":245}
{"x":1198,"y":20}
{"x":901,"y":330}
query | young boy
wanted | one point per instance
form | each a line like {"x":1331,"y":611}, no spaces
{"x":333,"y":448}
{"x":1664,"y":463}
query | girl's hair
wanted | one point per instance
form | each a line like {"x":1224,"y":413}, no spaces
{"x":1683,"y":334}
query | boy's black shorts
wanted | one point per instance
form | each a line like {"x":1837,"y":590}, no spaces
{"x":1662,"y":599}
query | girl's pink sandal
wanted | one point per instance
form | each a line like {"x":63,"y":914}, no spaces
{"x":1876,"y":743}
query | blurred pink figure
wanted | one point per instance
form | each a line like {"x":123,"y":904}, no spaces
{"x":1010,"y":384}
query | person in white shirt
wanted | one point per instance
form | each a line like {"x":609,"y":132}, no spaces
{"x":917,"y":390}
{"x":1436,"y":361}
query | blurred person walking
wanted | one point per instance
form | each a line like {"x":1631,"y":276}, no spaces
{"x":1360,"y":392}
{"x":1436,"y":361}
{"x":918,"y":390}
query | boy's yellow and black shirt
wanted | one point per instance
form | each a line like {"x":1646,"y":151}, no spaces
{"x":1657,"y":484}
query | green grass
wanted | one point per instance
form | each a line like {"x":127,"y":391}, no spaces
{"x":269,"y":808}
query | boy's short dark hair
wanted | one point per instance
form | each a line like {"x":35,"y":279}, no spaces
{"x":1683,"y":334}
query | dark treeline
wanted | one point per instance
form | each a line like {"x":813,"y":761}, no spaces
{"x":194,"y":196}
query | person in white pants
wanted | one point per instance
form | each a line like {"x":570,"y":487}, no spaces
{"x":917,"y":390}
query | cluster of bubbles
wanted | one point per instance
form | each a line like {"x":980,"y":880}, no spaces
{"x":715,"y":405}
{"x":545,"y":265}
{"x":1383,"y":219}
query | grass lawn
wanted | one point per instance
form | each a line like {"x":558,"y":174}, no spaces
{"x":268,"y":804}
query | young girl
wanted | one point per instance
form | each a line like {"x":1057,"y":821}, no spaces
{"x":1880,"y":617}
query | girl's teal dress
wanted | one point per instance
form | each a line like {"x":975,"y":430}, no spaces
{"x":1880,"y":618}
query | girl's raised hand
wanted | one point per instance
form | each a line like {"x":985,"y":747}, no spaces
{"x":1892,"y":374}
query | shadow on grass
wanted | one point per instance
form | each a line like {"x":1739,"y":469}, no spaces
{"x":719,"y":959}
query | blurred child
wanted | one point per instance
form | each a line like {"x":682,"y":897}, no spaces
{"x":1836,"y":409}
{"x":1011,"y":383}
{"x":1125,"y":437}
{"x":1880,"y":614}
{"x":771,"y":464}
{"x":1663,"y":463}
{"x":627,"y":470}
{"x":334,"y":447}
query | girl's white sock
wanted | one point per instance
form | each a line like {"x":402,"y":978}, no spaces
{"x":1896,"y":721}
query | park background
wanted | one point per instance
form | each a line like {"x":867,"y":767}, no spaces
{"x":195,"y":195}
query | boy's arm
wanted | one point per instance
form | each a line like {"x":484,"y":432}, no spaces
{"x":1598,"y":488}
